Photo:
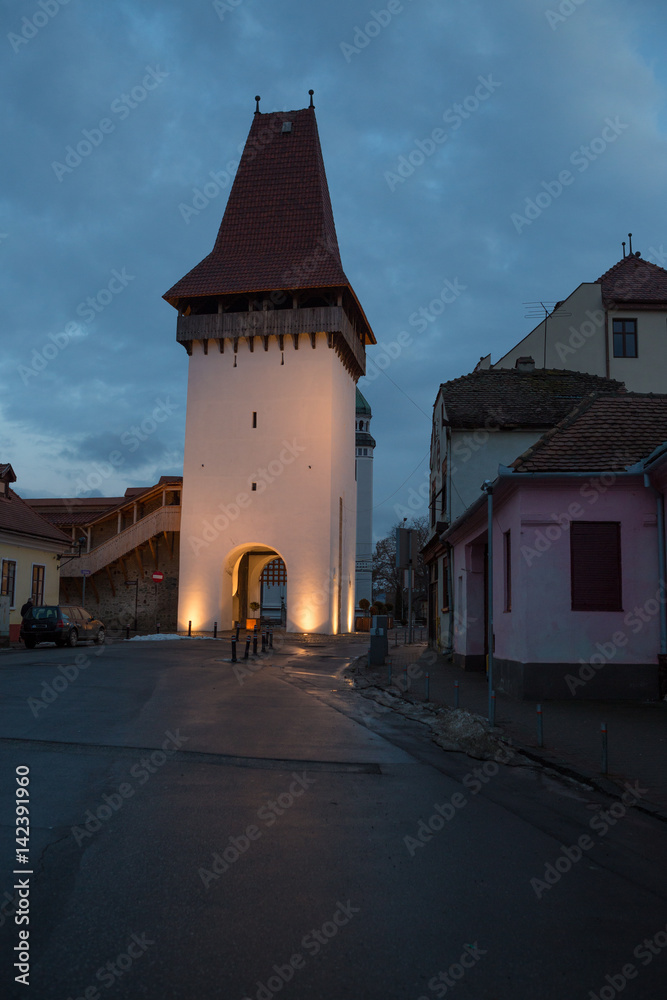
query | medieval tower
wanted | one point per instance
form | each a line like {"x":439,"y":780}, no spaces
{"x":276,"y":341}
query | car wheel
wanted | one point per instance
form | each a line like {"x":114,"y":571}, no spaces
{"x":30,"y":643}
{"x":101,"y":636}
{"x":73,"y":638}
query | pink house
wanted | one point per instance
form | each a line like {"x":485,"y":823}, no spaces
{"x":579,"y":596}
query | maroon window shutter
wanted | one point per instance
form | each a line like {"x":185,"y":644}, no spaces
{"x":595,"y":560}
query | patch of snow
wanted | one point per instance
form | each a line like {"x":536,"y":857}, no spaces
{"x":166,"y":635}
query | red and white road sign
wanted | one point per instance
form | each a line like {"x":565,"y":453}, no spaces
{"x":158,"y":576}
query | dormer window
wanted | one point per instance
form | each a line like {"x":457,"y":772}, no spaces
{"x":625,"y":338}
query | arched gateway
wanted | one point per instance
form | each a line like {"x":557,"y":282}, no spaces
{"x":276,"y":342}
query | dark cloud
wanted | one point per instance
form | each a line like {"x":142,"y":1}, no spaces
{"x":100,"y":362}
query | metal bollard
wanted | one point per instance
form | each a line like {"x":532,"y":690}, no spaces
{"x":189,"y":628}
{"x":540,"y":730}
{"x":605,"y":760}
{"x":233,"y":650}
{"x":127,"y":631}
{"x":456,"y":694}
{"x":247,"y":647}
{"x":492,"y":712}
{"x":157,"y":629}
{"x":428,"y":687}
{"x":215,"y":630}
{"x":254,"y":644}
{"x":238,"y":629}
{"x":263,"y":642}
{"x":270,"y":638}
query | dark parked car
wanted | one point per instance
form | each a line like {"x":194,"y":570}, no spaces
{"x":63,"y":624}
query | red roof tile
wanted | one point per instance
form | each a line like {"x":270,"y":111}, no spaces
{"x":17,"y":517}
{"x":603,"y":434}
{"x":278,"y":229}
{"x":507,"y":397}
{"x":634,"y":280}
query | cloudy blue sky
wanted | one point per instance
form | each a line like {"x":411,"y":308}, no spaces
{"x":166,"y":93}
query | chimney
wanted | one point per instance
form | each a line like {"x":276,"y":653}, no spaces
{"x":526,"y":364}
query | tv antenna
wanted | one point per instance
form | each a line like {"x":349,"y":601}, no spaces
{"x":542,"y":311}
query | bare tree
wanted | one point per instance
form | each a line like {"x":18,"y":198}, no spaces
{"x":389,"y":580}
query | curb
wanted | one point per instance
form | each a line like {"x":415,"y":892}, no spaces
{"x":599,"y":782}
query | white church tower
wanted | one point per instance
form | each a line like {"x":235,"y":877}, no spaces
{"x":365,"y":443}
{"x":276,"y":340}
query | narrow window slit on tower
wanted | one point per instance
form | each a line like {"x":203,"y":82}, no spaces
{"x":254,"y":418}
{"x":254,"y":487}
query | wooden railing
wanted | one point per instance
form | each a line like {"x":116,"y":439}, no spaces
{"x":166,"y":518}
{"x":275,"y":323}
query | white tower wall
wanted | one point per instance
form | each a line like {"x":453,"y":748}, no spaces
{"x":301,"y":457}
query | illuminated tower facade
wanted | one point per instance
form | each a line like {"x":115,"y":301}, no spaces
{"x":276,"y":340}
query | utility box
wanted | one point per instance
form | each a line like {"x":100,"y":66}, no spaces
{"x":4,"y":620}
{"x":379,"y":647}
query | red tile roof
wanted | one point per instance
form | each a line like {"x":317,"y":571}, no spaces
{"x":634,"y":280}
{"x":18,"y":518}
{"x":603,"y":434}
{"x":278,"y":229}
{"x":507,"y":397}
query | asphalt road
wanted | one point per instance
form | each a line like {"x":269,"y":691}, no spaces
{"x":198,"y":832}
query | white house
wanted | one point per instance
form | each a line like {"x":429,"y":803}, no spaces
{"x":614,"y":327}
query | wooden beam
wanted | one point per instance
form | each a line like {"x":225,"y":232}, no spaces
{"x":123,"y":567}
{"x":91,"y":581}
{"x":111,"y":583}
{"x":153,"y":551}
{"x":137,"y":555}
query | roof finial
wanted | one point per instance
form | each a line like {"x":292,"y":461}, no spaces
{"x":630,"y":238}
{"x":623,"y":249}
{"x":311,"y":92}
{"x":258,"y":99}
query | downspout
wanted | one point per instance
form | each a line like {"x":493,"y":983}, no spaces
{"x":606,"y":342}
{"x":660,"y":513}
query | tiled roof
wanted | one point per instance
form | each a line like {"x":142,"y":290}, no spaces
{"x":506,"y":397}
{"x":17,"y":517}
{"x":603,"y":434}
{"x":634,"y":280}
{"x":278,"y":229}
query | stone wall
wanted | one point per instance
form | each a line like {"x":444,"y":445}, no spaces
{"x":113,"y":602}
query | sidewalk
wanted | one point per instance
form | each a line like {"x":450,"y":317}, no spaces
{"x":637,"y":731}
